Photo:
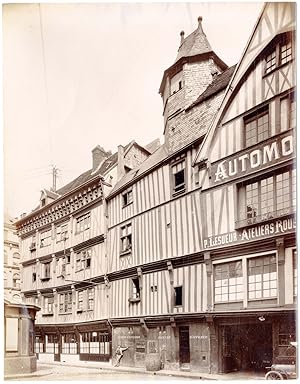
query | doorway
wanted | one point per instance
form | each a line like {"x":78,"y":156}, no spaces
{"x":246,"y":347}
{"x":184,"y":345}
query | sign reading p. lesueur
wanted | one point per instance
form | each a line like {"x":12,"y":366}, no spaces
{"x":262,"y":156}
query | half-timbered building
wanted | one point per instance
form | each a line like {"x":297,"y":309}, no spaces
{"x":64,"y":260}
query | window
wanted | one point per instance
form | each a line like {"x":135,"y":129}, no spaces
{"x":126,"y":238}
{"x":178,"y":175}
{"x":282,"y":52}
{"x":295,"y":273}
{"x":65,"y":302}
{"x":83,"y":260}
{"x":65,"y":262}
{"x":33,"y":277}
{"x":95,"y":343}
{"x":32,"y":246}
{"x":16,"y":281}
{"x":228,"y":281}
{"x":85,"y":299}
{"x":51,"y":343}
{"x":45,"y":238}
{"x":16,"y":258}
{"x":127,"y":197}
{"x":80,"y":300}
{"x":39,"y":344}
{"x":178,"y":296}
{"x":90,"y":299}
{"x":48,"y":305}
{"x":287,"y":334}
{"x":62,"y":232}
{"x":256,"y":127}
{"x":135,"y":289}
{"x":46,"y":270}
{"x":83,"y":222}
{"x":267,"y":198}
{"x":262,"y":277}
{"x":68,"y":344}
{"x":153,"y":288}
{"x":287,"y":112}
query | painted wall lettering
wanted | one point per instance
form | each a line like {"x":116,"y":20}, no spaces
{"x":275,"y":151}
{"x":259,"y":231}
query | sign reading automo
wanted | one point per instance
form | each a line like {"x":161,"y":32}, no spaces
{"x":249,"y":161}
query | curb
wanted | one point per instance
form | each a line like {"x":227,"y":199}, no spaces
{"x":23,"y":375}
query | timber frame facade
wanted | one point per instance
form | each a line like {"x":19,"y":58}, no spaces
{"x":187,"y":260}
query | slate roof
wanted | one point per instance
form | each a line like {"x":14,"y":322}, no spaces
{"x":219,"y":83}
{"x":153,"y":146}
{"x":159,"y":155}
{"x":194,"y":44}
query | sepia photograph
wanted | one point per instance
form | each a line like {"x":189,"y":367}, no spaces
{"x":149,"y":182}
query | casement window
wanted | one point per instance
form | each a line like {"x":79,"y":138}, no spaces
{"x":178,"y":296}
{"x":178,"y":177}
{"x":83,"y":260}
{"x":39,"y":344}
{"x":267,"y":198}
{"x":65,"y":302}
{"x":83,"y":222}
{"x":85,"y":299}
{"x":126,"y":238}
{"x":256,"y":127}
{"x":46,"y":270}
{"x":62,"y":232}
{"x":95,"y":342}
{"x":280,"y":53}
{"x":262,"y":277}
{"x":45,"y":238}
{"x":16,"y":281}
{"x":52,"y":345}
{"x":287,"y":112}
{"x":127,"y":197}
{"x":135,"y":289}
{"x":48,"y":305}
{"x":228,"y":279}
{"x":65,"y":263}
{"x":68,"y":344}
{"x":295,"y":272}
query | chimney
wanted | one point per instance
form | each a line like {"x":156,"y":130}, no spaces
{"x":121,"y":162}
{"x":200,"y":24}
{"x":99,"y":155}
{"x":181,"y":37}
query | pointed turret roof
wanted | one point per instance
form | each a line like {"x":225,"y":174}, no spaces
{"x":194,"y":44}
{"x":194,"y":47}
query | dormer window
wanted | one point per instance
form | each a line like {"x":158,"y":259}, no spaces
{"x":43,"y":202}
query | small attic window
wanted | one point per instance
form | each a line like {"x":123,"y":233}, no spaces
{"x":180,"y":84}
{"x":43,"y":202}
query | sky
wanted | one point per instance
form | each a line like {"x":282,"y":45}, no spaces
{"x":79,"y":75}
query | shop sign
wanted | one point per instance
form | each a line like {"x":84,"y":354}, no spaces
{"x":201,"y":337}
{"x":262,"y":156}
{"x":254,"y":233}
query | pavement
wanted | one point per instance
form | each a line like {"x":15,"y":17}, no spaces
{"x":43,"y":370}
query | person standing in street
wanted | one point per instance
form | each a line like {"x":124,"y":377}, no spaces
{"x":119,"y":354}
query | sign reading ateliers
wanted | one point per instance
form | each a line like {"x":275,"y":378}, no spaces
{"x":280,"y":226}
{"x":249,"y":161}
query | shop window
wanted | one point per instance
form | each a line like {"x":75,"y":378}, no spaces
{"x":45,"y":238}
{"x":178,"y":177}
{"x":52,"y":343}
{"x":65,"y":302}
{"x":178,"y":296}
{"x":46,"y":271}
{"x":83,"y":260}
{"x":280,"y":53}
{"x":69,"y":344}
{"x":62,"y":232}
{"x":95,"y":342}
{"x":127,"y":197}
{"x":39,"y":344}
{"x":262,"y":277}
{"x":295,"y":273}
{"x":48,"y":305}
{"x":267,"y":198}
{"x":126,"y":238}
{"x":256,"y":127}
{"x":287,"y":112}
{"x":228,"y":282}
{"x":286,"y":340}
{"x":83,"y":222}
